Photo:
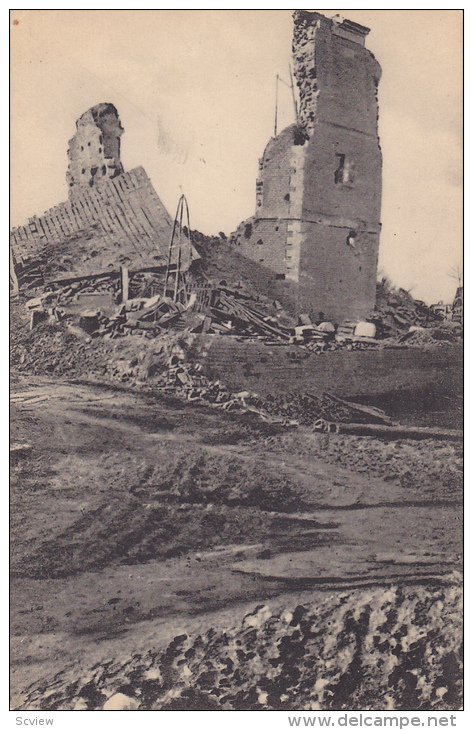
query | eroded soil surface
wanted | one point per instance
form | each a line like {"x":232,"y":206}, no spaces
{"x":136,"y":519}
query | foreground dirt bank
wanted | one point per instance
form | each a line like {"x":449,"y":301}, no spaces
{"x":360,"y":650}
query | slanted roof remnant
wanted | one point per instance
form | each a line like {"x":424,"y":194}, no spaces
{"x":121,"y":222}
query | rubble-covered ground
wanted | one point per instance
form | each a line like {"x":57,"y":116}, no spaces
{"x":416,"y":385}
{"x":183,"y":538}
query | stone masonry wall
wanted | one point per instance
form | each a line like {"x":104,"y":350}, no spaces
{"x":336,"y":75}
{"x":271,"y":237}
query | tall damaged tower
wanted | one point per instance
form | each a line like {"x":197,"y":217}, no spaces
{"x":318,"y":197}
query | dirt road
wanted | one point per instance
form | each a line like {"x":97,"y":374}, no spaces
{"x":134,"y":517}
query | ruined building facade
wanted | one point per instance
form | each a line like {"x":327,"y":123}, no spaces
{"x":318,"y":196}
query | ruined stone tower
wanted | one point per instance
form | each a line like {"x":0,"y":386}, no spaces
{"x":318,"y":195}
{"x":94,"y":150}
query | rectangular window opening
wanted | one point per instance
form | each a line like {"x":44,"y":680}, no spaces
{"x":344,"y":174}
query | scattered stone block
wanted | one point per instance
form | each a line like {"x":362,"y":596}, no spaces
{"x":304,"y":319}
{"x":121,"y":701}
{"x":37,"y":316}
{"x":365,"y":329}
{"x":89,"y":320}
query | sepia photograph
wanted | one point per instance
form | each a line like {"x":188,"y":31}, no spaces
{"x":236,"y":361}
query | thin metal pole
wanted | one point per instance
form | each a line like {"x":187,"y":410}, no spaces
{"x":293,"y":91}
{"x":184,"y":277}
{"x":171,"y":245}
{"x":180,"y":283}
{"x":178,"y":263}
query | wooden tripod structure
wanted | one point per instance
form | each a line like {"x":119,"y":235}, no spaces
{"x":175,"y":281}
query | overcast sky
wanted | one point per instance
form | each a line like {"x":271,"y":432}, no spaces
{"x":195,"y":93}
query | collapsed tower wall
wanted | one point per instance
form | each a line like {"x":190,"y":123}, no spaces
{"x":112,"y":218}
{"x":317,"y":220}
{"x":94,"y":150}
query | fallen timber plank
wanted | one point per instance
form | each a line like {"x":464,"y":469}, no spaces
{"x":376,"y":413}
{"x":268,"y":328}
{"x":103,"y":274}
{"x":240,"y":320}
{"x":84,"y":277}
{"x":257,"y":320}
{"x":397,"y":432}
{"x":20,"y":448}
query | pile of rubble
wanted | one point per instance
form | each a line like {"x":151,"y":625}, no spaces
{"x":125,"y":303}
{"x":103,"y":309}
{"x":108,"y":319}
{"x":174,"y":374}
{"x":421,"y":336}
{"x":186,"y":379}
{"x":91,"y":312}
{"x":397,"y":311}
{"x":210,"y":310}
{"x":78,"y":317}
{"x":229,"y":310}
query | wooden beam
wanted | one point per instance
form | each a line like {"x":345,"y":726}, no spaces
{"x":124,"y":283}
{"x":395,"y":432}
{"x":375,"y":413}
{"x":13,"y":276}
